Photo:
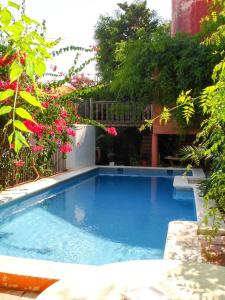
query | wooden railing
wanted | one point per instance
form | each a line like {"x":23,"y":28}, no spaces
{"x":127,"y":114}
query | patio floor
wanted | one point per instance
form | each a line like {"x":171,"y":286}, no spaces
{"x":6,"y":294}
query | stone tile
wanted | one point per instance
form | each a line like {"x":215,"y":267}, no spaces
{"x":182,"y":242}
{"x":29,"y":295}
{"x":6,"y":294}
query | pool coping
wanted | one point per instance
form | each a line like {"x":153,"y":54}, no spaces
{"x":32,"y":269}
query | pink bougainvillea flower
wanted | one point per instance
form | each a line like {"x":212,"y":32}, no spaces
{"x":54,"y":68}
{"x":66,"y":148}
{"x":111,"y":131}
{"x":19,"y":163}
{"x":6,"y":85}
{"x":64,"y":113}
{"x":37,"y":148}
{"x":60,"y":125}
{"x":45,"y":104}
{"x":30,"y":89}
{"x":36,"y":128}
{"x":70,"y":132}
{"x":54,"y":96}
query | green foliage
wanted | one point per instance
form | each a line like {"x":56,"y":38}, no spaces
{"x":210,"y":141}
{"x":126,"y":25}
{"x":213,"y":25}
{"x":159,"y":67}
{"x":29,"y":51}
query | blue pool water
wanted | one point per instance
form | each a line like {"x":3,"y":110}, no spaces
{"x":95,"y":219}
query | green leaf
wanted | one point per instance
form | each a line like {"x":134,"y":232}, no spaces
{"x":16,"y":29}
{"x":10,"y":138}
{"x":6,"y":16}
{"x":22,"y":139}
{"x":15,"y":71}
{"x":30,"y":67}
{"x":17,"y":142}
{"x":23,"y":113}
{"x":40,"y":67}
{"x":6,"y":94}
{"x":44,"y":52}
{"x":18,"y":124}
{"x":5,"y":110}
{"x":30,"y":99}
{"x":28,"y":20}
{"x":13,"y":4}
{"x":7,"y":124}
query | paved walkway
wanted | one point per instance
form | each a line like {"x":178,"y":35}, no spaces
{"x":173,"y":279}
{"x":6,"y":294}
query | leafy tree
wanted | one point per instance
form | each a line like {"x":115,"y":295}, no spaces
{"x":113,"y":30}
{"x":210,"y":141}
{"x":159,"y":67}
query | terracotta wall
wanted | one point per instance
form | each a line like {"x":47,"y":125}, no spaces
{"x":171,"y":127}
{"x":186,"y":15}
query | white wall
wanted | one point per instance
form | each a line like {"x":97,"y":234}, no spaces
{"x":83,"y":154}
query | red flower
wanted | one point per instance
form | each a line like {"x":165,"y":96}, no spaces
{"x":19,"y":163}
{"x":70,"y":132}
{"x":36,"y":128}
{"x":65,"y":148}
{"x":45,"y":104}
{"x":54,"y":97}
{"x":60,"y":125}
{"x":30,"y":89}
{"x":37,"y":148}
{"x":111,"y":131}
{"x":64,"y":114}
{"x":5,"y":85}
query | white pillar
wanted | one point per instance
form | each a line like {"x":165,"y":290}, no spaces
{"x":83,"y":154}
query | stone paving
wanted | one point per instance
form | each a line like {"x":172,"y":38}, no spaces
{"x":6,"y":294}
{"x":182,"y":242}
{"x":185,"y":244}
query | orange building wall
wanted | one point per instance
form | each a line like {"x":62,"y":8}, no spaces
{"x":187,"y":14}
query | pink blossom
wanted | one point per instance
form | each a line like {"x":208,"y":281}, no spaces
{"x":64,"y":114}
{"x":70,"y":132}
{"x":65,"y":148}
{"x":30,"y":89}
{"x":5,"y":85}
{"x":45,"y":104}
{"x":54,"y":97}
{"x":35,"y":127}
{"x":19,"y":163}
{"x":111,"y":131}
{"x":37,"y":148}
{"x":60,"y":125}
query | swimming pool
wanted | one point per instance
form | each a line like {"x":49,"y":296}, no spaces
{"x":103,"y":216}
